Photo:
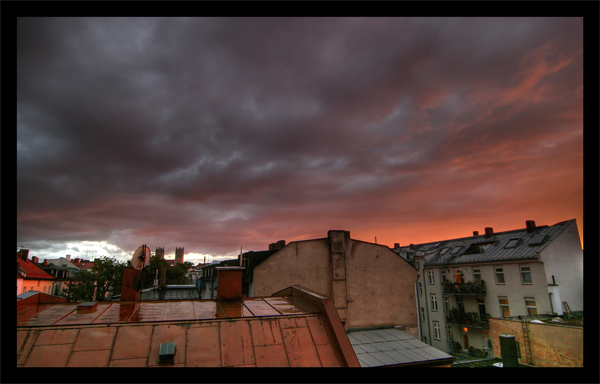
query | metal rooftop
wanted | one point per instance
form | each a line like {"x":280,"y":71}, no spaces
{"x":296,"y":328}
{"x":392,"y":347}
{"x":528,"y":246}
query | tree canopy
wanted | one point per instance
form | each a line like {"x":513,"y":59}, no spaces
{"x":106,"y":276}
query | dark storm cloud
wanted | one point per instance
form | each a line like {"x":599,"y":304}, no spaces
{"x":208,"y":131}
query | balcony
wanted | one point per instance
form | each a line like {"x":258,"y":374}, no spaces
{"x":476,"y":288}
{"x":468,"y":319}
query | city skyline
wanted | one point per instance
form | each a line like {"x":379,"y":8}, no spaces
{"x":219,"y":133}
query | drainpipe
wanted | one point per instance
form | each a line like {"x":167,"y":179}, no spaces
{"x":418,"y":310}
{"x":427,"y":306}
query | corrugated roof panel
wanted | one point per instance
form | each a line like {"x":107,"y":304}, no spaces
{"x":399,"y":357}
{"x":384,"y":358}
{"x":368,"y":360}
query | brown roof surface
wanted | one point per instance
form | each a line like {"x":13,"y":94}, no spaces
{"x":253,"y":332}
{"x":32,"y":270}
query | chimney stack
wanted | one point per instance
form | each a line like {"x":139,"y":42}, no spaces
{"x":25,"y":254}
{"x":45,"y":262}
{"x":396,"y":245}
{"x":489,"y":231}
{"x":530,"y":226}
{"x":230,"y":283}
{"x":475,"y":233}
{"x":412,"y":247}
{"x":280,"y":244}
{"x":35,"y":259}
{"x":77,"y":259}
{"x":69,"y":257}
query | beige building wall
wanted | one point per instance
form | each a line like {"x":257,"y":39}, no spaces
{"x":369,"y":284}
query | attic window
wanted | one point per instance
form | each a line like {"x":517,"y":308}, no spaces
{"x":478,"y":248}
{"x":511,"y":243}
{"x":456,"y":249}
{"x":444,"y":250}
{"x":537,"y":239}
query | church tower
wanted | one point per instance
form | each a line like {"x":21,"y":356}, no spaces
{"x":179,"y":255}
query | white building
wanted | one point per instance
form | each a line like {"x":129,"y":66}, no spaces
{"x":463,"y":282}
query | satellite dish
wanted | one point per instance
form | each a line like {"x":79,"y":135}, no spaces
{"x":138,"y":260}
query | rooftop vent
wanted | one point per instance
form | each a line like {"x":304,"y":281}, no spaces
{"x":166,"y":353}
{"x":87,"y":307}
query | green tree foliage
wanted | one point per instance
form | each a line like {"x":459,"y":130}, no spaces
{"x":105,"y":276}
{"x":175,"y":273}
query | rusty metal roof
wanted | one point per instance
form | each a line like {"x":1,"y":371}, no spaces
{"x":253,"y":332}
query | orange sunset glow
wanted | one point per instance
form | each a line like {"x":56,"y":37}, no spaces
{"x":219,"y":133}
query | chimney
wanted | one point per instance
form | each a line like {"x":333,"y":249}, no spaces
{"x":489,"y":231}
{"x":272,"y":247}
{"x":69,"y":257}
{"x":25,"y":254}
{"x":280,"y":244}
{"x":45,"y":262}
{"x":396,"y":245}
{"x":530,"y":226}
{"x":35,"y":259}
{"x":412,"y":247}
{"x":77,"y":259}
{"x":475,"y":233}
{"x":130,"y":289}
{"x":230,"y":283}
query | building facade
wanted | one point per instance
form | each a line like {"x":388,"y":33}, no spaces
{"x":30,"y":277}
{"x":369,"y":284}
{"x":464,"y":282}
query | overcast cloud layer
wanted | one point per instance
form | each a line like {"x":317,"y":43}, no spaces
{"x":225,"y":132}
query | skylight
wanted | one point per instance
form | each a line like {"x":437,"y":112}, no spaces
{"x":456,"y":249}
{"x":444,"y":250}
{"x":511,"y":243}
{"x":537,"y":239}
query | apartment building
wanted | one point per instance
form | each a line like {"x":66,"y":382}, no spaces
{"x":466,"y":281}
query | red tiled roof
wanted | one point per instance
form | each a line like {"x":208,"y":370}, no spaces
{"x":295,"y":330}
{"x":33,"y":271}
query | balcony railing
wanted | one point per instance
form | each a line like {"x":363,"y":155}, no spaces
{"x":470,"y":319}
{"x":468,"y":288}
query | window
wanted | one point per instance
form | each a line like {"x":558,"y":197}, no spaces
{"x":456,"y":249}
{"x":446,"y":303}
{"x":504,"y":306}
{"x":499,"y":276}
{"x":420,"y":289}
{"x":38,"y":283}
{"x":511,"y":243}
{"x":433,"y":302}
{"x":418,"y":266}
{"x":444,"y":251}
{"x":525,"y":275}
{"x":24,"y":289}
{"x":436,"y":330}
{"x":422,"y":314}
{"x":458,"y":276}
{"x":530,"y":304}
{"x":443,"y":275}
{"x":476,"y":274}
{"x":431,"y":278}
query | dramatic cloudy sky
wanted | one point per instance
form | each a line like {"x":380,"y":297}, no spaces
{"x":220,"y":133}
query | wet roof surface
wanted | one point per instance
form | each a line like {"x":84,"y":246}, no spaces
{"x":254,"y":332}
{"x":391,"y":346}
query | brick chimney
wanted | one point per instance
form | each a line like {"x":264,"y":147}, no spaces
{"x":489,"y":231}
{"x":396,"y":245}
{"x":25,"y":254}
{"x":77,"y":259}
{"x":530,"y":226}
{"x":475,"y":233}
{"x":69,"y":257}
{"x":35,"y":259}
{"x":45,"y":262}
{"x":280,"y":244}
{"x":230,"y":283}
{"x":412,"y":247}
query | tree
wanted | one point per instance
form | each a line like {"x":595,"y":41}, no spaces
{"x":106,"y":276}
